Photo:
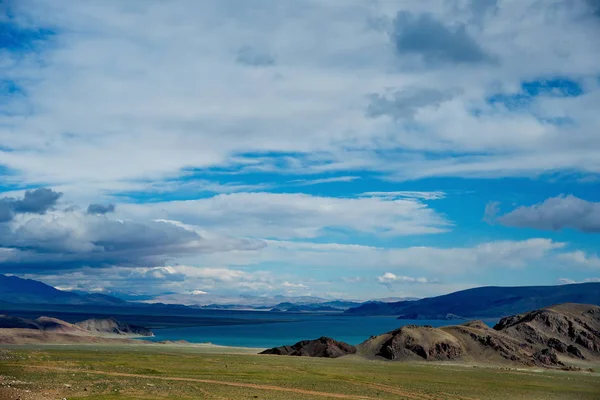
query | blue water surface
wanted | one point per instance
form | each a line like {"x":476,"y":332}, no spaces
{"x":350,"y":329}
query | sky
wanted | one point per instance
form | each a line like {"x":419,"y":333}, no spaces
{"x":205,"y":151}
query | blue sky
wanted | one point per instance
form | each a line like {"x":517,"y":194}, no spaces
{"x":200,"y":151}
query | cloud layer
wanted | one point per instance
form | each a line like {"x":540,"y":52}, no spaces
{"x":284,"y":146}
{"x":267,"y":92}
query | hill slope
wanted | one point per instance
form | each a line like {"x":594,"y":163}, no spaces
{"x":112,"y":326}
{"x":485,"y":302}
{"x":557,"y":336}
{"x":91,"y":327}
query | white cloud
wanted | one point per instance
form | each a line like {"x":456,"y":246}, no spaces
{"x":296,"y":215}
{"x":310,"y":182}
{"x":388,"y":279}
{"x":294,"y":285}
{"x":567,"y":281}
{"x":438,"y":261}
{"x":580,"y":258}
{"x":407,"y":194}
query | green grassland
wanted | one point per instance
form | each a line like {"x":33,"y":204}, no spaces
{"x":154,"y":372}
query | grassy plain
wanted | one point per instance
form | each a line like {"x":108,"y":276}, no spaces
{"x":179,"y":372}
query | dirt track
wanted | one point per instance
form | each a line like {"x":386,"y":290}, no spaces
{"x":213,"y":382}
{"x":313,"y":393}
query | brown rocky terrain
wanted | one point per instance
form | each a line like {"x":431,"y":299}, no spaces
{"x":558,"y":336}
{"x":321,"y":347}
{"x":111,"y":325}
{"x":14,"y":330}
{"x":571,"y":329}
{"x":414,"y":342}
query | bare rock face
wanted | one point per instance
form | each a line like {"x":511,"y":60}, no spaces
{"x":422,"y":341}
{"x":546,"y":357}
{"x":548,"y":337}
{"x":570,"y":329}
{"x":112,"y":326}
{"x":321,"y":347}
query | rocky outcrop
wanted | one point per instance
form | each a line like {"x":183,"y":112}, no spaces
{"x":321,"y":347}
{"x":112,"y":326}
{"x":551,"y":337}
{"x":91,"y":327}
{"x":570,"y":329}
{"x":419,"y":341}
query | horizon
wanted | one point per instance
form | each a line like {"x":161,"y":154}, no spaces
{"x":348,"y":151}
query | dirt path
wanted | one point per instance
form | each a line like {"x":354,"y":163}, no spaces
{"x":209,"y":381}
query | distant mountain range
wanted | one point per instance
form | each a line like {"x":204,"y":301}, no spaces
{"x":485,"y":302}
{"x":15,"y":290}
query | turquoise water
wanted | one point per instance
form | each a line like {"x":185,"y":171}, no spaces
{"x":350,"y":329}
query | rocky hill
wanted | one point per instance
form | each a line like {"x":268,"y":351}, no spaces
{"x":572,"y":329}
{"x":321,"y":347}
{"x":557,"y":336}
{"x":93,"y":327}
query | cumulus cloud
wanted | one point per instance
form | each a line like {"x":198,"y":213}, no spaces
{"x":425,"y":36}
{"x":38,"y":238}
{"x":37,"y":201}
{"x":388,"y":279}
{"x":556,"y":213}
{"x":580,"y":258}
{"x":290,"y":285}
{"x":100,"y":208}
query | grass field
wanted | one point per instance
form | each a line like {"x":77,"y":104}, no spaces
{"x":155,"y":372}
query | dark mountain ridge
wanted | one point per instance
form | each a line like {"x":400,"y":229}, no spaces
{"x":485,"y":302}
{"x":15,"y":290}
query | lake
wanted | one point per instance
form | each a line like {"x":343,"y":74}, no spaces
{"x":259,"y":329}
{"x":350,"y":329}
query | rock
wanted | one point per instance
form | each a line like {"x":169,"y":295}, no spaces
{"x":547,"y":357}
{"x":321,"y":347}
{"x":412,"y":341}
